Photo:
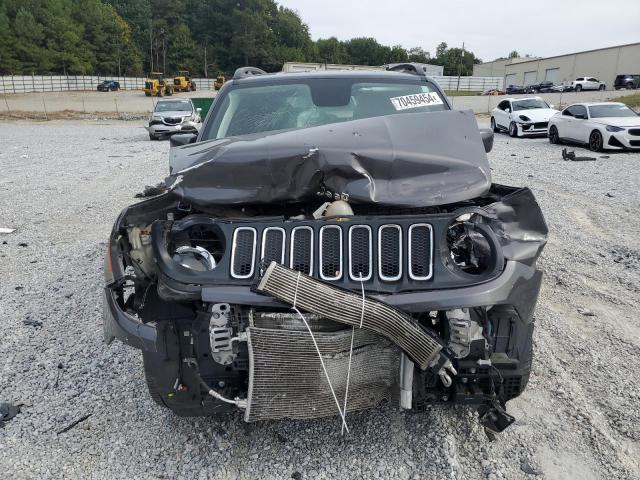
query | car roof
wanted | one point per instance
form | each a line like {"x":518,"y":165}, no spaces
{"x":593,"y":104}
{"x":513,"y":99}
{"x":164,"y":100}
{"x":374,"y":74}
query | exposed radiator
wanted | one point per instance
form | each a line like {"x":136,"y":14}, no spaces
{"x":346,"y":307}
{"x":287,"y":381}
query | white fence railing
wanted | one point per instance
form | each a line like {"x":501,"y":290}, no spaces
{"x":63,"y":83}
{"x":470,"y":84}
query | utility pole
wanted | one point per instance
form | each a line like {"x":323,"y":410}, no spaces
{"x":151,"y":47}
{"x":164,"y":52}
{"x":205,"y":62}
{"x":460,"y":67}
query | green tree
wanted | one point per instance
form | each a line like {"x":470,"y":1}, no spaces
{"x":8,"y":62}
{"x":418,"y":55}
{"x":330,"y":50}
{"x":367,"y":51}
{"x":513,"y":54}
{"x":398,"y":55}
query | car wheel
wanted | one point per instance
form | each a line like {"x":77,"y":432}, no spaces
{"x":494,"y":127}
{"x":554,"y":137}
{"x":513,"y":129}
{"x":602,"y":87}
{"x":629,"y":86}
{"x":152,"y":137}
{"x":595,"y":141}
{"x":578,"y":88}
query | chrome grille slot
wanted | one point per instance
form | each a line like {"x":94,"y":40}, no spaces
{"x":273,"y":241}
{"x":301,"y":250}
{"x":360,"y":252}
{"x":243,"y":252}
{"x":390,"y":252}
{"x":420,"y":255}
{"x":330,"y":252}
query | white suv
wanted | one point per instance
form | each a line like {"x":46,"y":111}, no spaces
{"x":587,"y":83}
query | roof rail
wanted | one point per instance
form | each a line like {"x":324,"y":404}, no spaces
{"x":243,"y":72}
{"x":414,"y":68}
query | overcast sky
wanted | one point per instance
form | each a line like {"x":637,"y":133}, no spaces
{"x":490,"y":29}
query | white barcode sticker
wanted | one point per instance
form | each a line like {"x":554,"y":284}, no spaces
{"x":416,"y":100}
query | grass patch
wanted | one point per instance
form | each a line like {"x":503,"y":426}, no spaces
{"x":631,"y":101}
{"x":460,"y":93}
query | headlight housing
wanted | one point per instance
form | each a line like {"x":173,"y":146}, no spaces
{"x":156,"y":117}
{"x":613,"y":128}
{"x":524,"y":118}
{"x":469,"y":249}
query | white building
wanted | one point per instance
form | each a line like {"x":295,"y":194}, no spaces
{"x":602,"y":63}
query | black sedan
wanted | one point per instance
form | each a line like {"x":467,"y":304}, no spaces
{"x":541,"y":87}
{"x":109,"y":86}
{"x":515,"y":89}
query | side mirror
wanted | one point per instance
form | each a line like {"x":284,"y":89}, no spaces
{"x":181,"y":139}
{"x":487,"y":138}
{"x":198,"y":110}
{"x":580,"y":116}
{"x":551,"y":105}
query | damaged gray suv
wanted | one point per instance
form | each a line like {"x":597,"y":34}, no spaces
{"x":329,"y":241}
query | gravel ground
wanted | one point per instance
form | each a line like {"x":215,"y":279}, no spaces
{"x":62,"y":185}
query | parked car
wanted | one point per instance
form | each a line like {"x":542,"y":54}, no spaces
{"x":562,"y":88}
{"x":522,"y":116}
{"x":540,"y":87}
{"x":174,"y":116}
{"x":627,"y":81}
{"x":515,"y":89}
{"x":314,"y":206}
{"x":604,"y":125}
{"x":108,"y":86}
{"x":587,"y":83}
{"x":492,"y":91}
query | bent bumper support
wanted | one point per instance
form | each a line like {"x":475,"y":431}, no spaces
{"x":314,"y":296}
{"x":131,"y":331}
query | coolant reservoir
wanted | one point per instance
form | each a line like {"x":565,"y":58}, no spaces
{"x":339,"y":208}
{"x":141,"y":250}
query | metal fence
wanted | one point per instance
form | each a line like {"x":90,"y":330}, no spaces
{"x":63,"y":83}
{"x":470,"y":84}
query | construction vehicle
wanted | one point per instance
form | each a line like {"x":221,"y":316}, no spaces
{"x":183,"y":82}
{"x":217,"y":85}
{"x":156,"y":85}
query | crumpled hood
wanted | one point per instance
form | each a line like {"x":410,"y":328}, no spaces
{"x":413,"y":160}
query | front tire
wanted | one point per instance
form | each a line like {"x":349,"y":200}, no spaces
{"x":554,"y":136}
{"x":494,"y":126}
{"x":578,"y":88}
{"x":595,"y":141}
{"x":602,"y":87}
{"x":193,"y":86}
{"x":513,"y":130}
{"x":152,"y":137}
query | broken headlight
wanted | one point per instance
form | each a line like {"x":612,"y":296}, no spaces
{"x":469,"y":248}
